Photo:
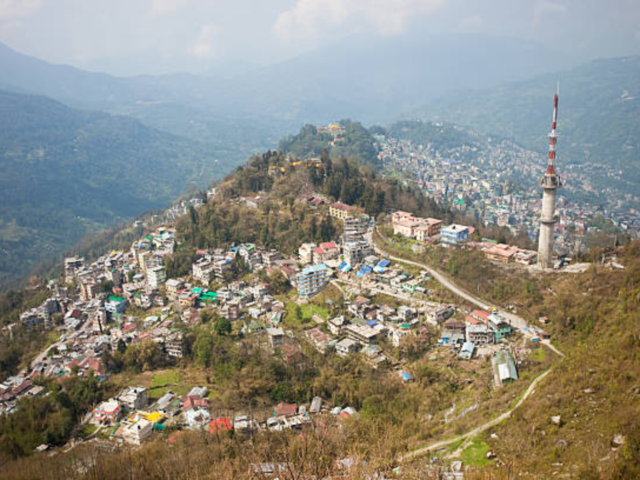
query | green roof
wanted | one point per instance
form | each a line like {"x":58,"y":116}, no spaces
{"x":116,"y":299}
{"x":205,"y":298}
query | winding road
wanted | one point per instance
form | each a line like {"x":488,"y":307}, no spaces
{"x":515,"y":320}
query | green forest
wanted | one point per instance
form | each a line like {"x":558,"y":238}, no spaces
{"x":65,"y":172}
{"x":356,"y":142}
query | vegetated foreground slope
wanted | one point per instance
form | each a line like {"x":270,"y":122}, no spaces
{"x":595,"y":391}
{"x":65,"y":172}
{"x":599,"y":108}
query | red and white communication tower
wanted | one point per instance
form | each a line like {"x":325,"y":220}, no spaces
{"x":550,"y":182}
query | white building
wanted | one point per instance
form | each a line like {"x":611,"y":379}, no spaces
{"x":203,"y":270}
{"x":134,"y":398}
{"x":346,"y":346}
{"x":137,"y":432}
{"x":156,"y":276}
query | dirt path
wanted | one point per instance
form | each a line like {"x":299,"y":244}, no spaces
{"x":478,"y":430}
{"x":515,"y":320}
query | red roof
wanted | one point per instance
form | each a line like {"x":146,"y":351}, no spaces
{"x":473,"y":321}
{"x":481,"y":314}
{"x":219,"y":424}
{"x":286,"y":409}
{"x":194,"y":401}
{"x":341,"y":206}
{"x":362,"y":301}
{"x":328,"y":245}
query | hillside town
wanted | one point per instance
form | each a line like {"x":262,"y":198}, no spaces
{"x":480,"y":182}
{"x":126,"y":297}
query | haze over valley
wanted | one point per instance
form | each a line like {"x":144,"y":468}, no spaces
{"x":314,"y":239}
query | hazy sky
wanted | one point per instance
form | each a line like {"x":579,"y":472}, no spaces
{"x":162,"y":36}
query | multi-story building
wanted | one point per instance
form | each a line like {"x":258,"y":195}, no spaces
{"x":500,"y":327}
{"x":346,"y":346}
{"x":325,"y":252}
{"x":355,"y":251}
{"x":339,"y":210}
{"x":312,"y":279}
{"x":407,"y":225}
{"x":454,"y":235}
{"x":89,"y":290}
{"x":221,"y":266}
{"x":174,"y":345}
{"x":71,"y":266}
{"x":115,"y":276}
{"x":305,"y":252}
{"x":174,"y":286}
{"x":115,"y":305}
{"x":156,"y":276}
{"x":136,"y":433}
{"x":230,"y":311}
{"x":428,"y":228}
{"x":134,"y":398}
{"x":107,"y":412}
{"x":355,"y":227}
{"x":477,"y":331}
{"x":361,"y":333}
{"x":203,"y":270}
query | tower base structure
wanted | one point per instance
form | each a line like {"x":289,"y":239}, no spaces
{"x":550,"y":183}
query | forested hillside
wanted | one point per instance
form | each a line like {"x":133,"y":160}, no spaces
{"x":352,"y":140}
{"x":283,"y":219}
{"x":66,"y":172}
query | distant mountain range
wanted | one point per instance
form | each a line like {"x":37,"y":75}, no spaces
{"x":598,"y":118}
{"x":64,"y":172}
{"x":364,"y":78}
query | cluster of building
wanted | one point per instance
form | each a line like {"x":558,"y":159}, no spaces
{"x":454,"y":235}
{"x":128,"y":297}
{"x":131,"y":418}
{"x":478,"y":328}
{"x":478,"y":180}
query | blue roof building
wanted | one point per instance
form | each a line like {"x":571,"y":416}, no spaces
{"x":454,"y":235}
{"x":312,"y":279}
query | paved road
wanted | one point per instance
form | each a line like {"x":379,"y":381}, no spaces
{"x":476,"y":431}
{"x":515,"y":320}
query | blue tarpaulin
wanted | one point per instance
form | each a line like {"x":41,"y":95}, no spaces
{"x":364,"y":270}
